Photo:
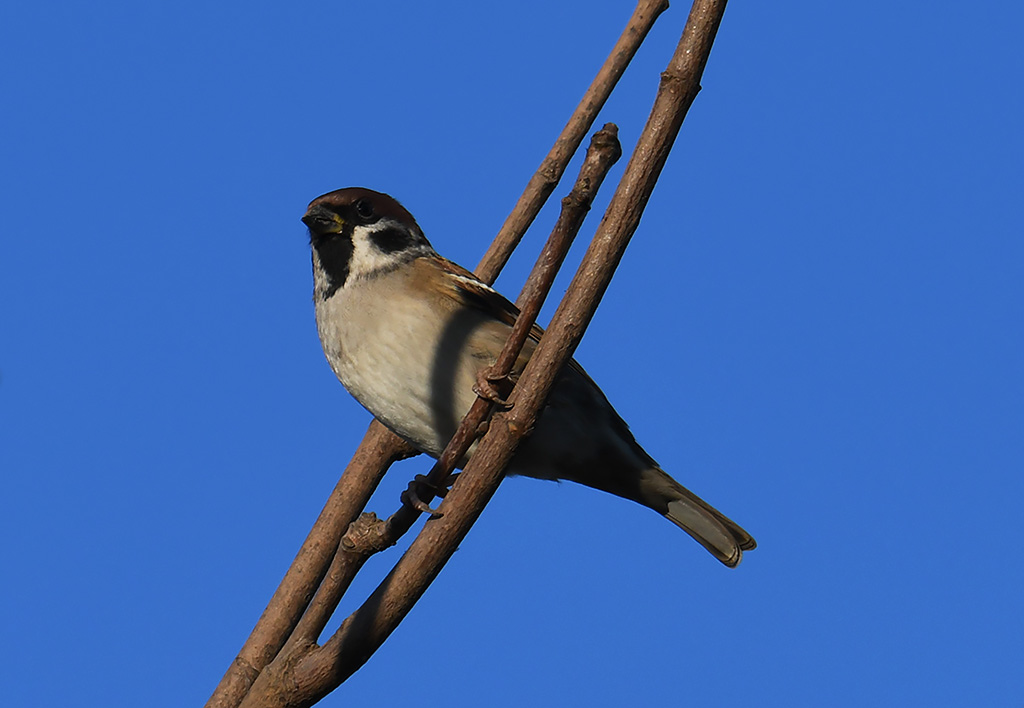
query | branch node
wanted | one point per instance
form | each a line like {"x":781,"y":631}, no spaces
{"x":366,"y":535}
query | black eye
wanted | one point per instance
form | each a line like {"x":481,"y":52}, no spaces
{"x":364,"y":209}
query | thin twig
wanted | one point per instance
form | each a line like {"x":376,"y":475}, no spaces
{"x":551,"y":169}
{"x":379,"y":448}
{"x":679,"y":86}
{"x":603,"y":152}
{"x":374,"y":535}
{"x":363,"y":631}
{"x":320,"y":671}
{"x":292,"y":595}
{"x":250,"y":661}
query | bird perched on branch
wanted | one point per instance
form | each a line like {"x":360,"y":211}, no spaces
{"x":407,"y":333}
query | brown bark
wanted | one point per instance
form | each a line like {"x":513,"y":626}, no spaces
{"x":281,"y":664}
{"x":547,"y":176}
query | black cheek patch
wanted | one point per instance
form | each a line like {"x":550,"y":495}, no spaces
{"x":391,"y":239}
{"x":335,"y":253}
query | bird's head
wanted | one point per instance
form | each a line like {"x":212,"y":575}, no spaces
{"x":358,"y":233}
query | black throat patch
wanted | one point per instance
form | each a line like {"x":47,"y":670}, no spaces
{"x":335,"y":253}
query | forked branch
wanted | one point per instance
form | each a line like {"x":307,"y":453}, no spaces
{"x":380,"y":447}
{"x":304,"y":672}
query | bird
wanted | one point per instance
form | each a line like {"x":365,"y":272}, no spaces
{"x":407,"y":333}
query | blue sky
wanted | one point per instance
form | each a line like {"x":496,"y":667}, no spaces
{"x":817,"y":328}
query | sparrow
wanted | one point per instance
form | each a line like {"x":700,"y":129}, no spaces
{"x":407,"y":332}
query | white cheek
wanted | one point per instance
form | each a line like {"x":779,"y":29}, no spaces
{"x":366,"y":257}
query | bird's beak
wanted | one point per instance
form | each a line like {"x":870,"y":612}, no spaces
{"x":322,"y":221}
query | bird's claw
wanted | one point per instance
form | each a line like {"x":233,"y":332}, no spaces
{"x":412,"y":495}
{"x":491,"y":388}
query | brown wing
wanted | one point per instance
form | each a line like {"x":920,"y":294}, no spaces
{"x":471,"y":291}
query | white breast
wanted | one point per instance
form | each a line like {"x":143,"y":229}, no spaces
{"x":402,"y":356}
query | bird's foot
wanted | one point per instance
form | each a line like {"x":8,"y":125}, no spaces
{"x":421,"y":487}
{"x":493,"y":388}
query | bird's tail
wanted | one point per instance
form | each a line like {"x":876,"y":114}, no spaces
{"x":722,"y":536}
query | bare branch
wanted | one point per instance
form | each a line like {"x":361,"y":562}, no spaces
{"x":364,"y":472}
{"x":680,"y":83}
{"x":292,"y":596}
{"x":304,"y":673}
{"x":547,"y":176}
{"x":319,"y":671}
{"x":679,"y":86}
{"x":604,"y":151}
{"x":369,"y":626}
